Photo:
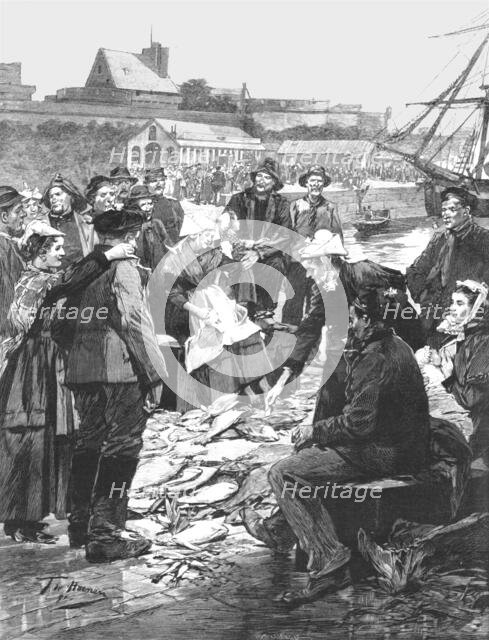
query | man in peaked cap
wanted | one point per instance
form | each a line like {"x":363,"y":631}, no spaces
{"x":115,"y":369}
{"x":458,"y":252}
{"x":309,"y":214}
{"x":166,"y":209}
{"x":68,"y":213}
{"x":12,"y":218}
{"x":262,"y":203}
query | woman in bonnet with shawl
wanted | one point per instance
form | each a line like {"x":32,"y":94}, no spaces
{"x":36,"y":415}
{"x":463,"y":359}
{"x":210,"y":325}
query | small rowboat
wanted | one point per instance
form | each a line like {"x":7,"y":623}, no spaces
{"x":379,"y":221}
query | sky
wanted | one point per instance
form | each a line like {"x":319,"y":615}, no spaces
{"x":370,"y":53}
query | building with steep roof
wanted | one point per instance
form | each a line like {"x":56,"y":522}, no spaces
{"x":161,"y":141}
{"x":121,"y":77}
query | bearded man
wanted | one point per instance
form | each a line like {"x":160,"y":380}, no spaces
{"x":68,"y":212}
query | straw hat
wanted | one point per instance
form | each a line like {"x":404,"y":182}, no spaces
{"x":193,"y":225}
{"x":323,"y":244}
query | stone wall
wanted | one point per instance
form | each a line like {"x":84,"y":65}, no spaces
{"x":36,"y":112}
{"x":402,"y":201}
{"x":279,"y":120}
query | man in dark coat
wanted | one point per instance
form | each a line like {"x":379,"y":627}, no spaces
{"x":166,"y":209}
{"x":218,"y":182}
{"x":115,"y":369}
{"x":308,"y":214}
{"x":262,"y":203}
{"x":382,"y":430}
{"x":461,"y":251}
{"x":12,"y":218}
{"x":153,"y":240}
{"x":68,"y":212}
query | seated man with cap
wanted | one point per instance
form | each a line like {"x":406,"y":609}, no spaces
{"x":458,"y":252}
{"x":68,"y":212}
{"x":166,"y":209}
{"x":308,"y":214}
{"x":382,"y":430}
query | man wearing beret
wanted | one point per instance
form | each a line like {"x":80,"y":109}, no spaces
{"x":166,"y":209}
{"x":12,"y":216}
{"x":68,"y":213}
{"x":308,"y":214}
{"x":382,"y":430}
{"x":458,"y":252}
{"x":115,"y":370}
{"x":262,"y":203}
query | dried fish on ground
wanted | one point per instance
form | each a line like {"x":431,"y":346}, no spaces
{"x":261,"y":455}
{"x":257,"y":431}
{"x":221,"y":423}
{"x":254,"y":488}
{"x":192,"y":478}
{"x":154,"y":472}
{"x":211,"y":494}
{"x":404,"y":561}
{"x":202,"y":532}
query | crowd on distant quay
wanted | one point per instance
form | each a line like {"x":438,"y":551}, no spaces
{"x":76,"y":389}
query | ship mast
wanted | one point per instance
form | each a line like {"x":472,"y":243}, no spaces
{"x":484,"y":148}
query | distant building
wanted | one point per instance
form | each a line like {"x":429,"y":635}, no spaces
{"x":161,"y":142}
{"x":11,"y":87}
{"x":354,"y":153}
{"x":123,"y":78}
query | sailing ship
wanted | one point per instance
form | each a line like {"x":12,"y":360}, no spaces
{"x":470,"y":168}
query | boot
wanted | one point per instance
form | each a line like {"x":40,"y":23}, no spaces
{"x":107,"y":539}
{"x":83,"y":473}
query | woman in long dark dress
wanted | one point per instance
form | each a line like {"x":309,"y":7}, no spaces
{"x":36,"y":412}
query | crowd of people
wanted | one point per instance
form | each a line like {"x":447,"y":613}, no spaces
{"x":82,"y":368}
{"x":205,"y":183}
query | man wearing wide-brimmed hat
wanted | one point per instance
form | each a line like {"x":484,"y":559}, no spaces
{"x":153,"y":240}
{"x":12,"y":218}
{"x":262,"y":203}
{"x":458,"y":252}
{"x":123,"y":181}
{"x":309,"y":214}
{"x":114,"y":369}
{"x":166,"y":209}
{"x":67,"y":207}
